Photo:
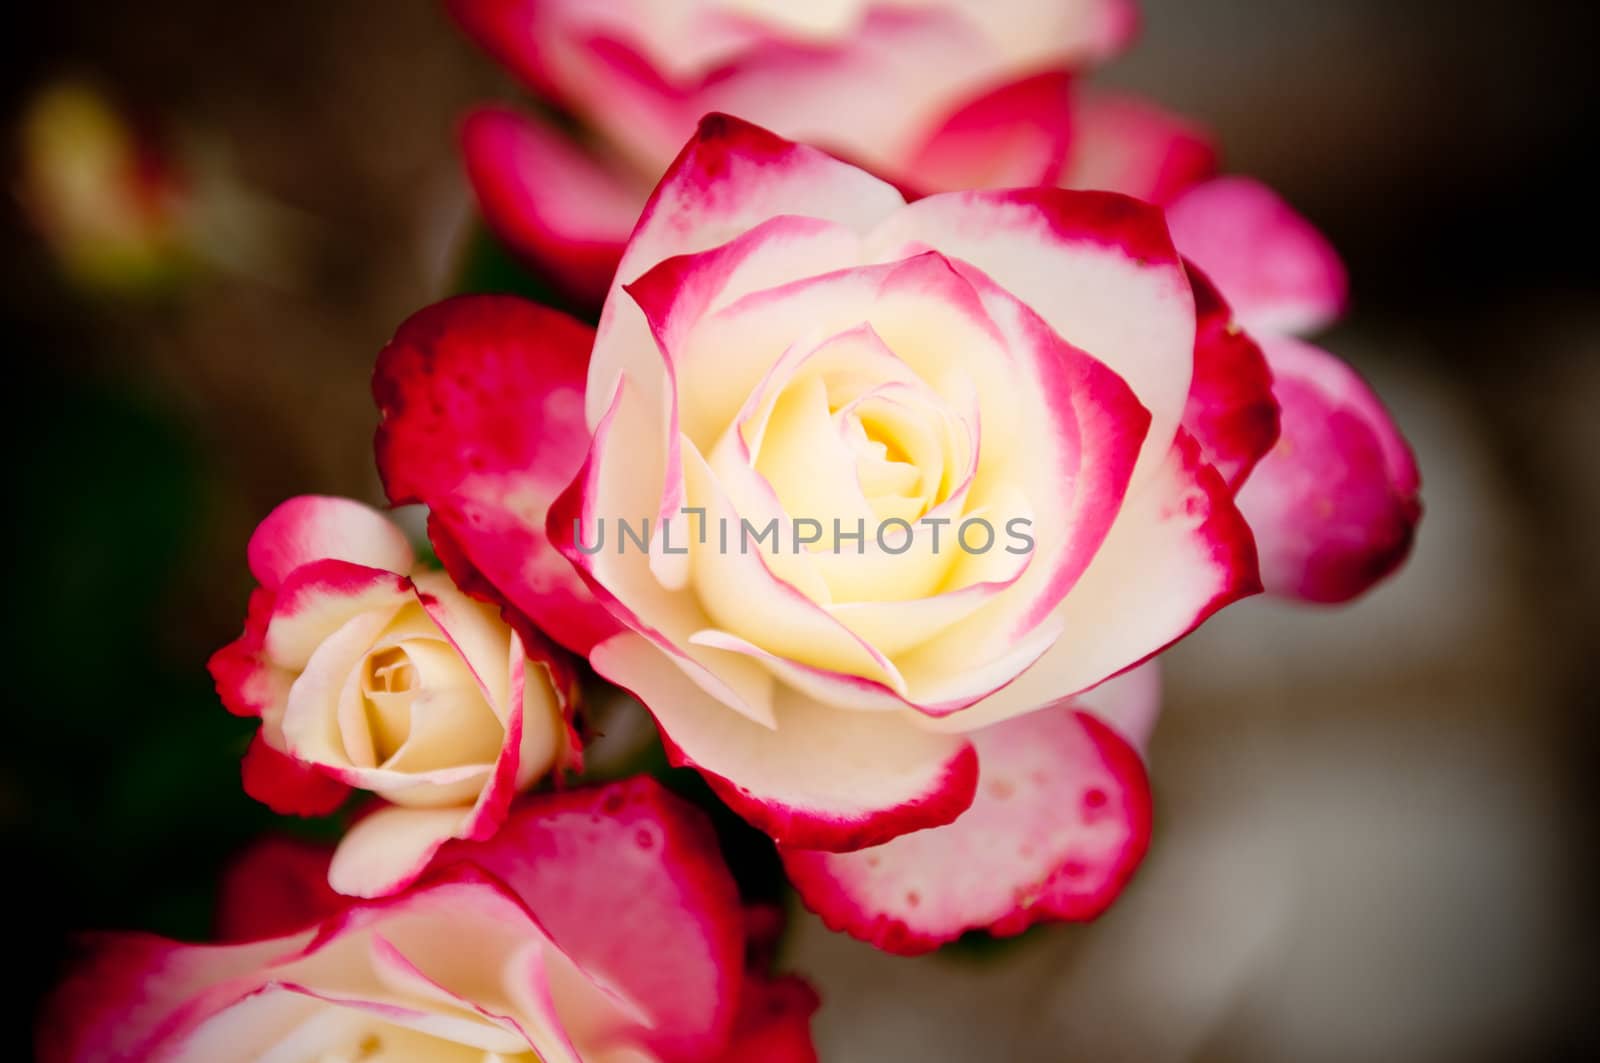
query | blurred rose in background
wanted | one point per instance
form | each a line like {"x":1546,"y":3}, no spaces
{"x":1372,"y":824}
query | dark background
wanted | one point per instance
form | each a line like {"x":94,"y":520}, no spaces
{"x":1375,"y":824}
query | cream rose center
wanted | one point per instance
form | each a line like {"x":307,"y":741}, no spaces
{"x":413,"y":705}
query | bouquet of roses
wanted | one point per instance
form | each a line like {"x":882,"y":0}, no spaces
{"x":930,"y":397}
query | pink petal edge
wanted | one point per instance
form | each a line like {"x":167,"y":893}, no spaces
{"x":1061,"y":821}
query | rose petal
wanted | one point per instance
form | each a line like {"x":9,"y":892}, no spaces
{"x":247,"y":684}
{"x":441,"y":1012}
{"x":552,"y":202}
{"x":319,"y":598}
{"x":824,"y":778}
{"x":311,"y":726}
{"x":318,"y":528}
{"x":605,"y":917}
{"x":560,"y":676}
{"x":120,"y":1001}
{"x":287,"y":786}
{"x":1129,"y":703}
{"x":1280,"y":274}
{"x":475,"y":632}
{"x":387,"y":849}
{"x":1060,"y":822}
{"x":627,"y":871}
{"x":1334,"y":505}
{"x":730,"y":177}
{"x":1122,"y":143}
{"x":144,"y":998}
{"x":675,"y":296}
{"x":644,"y":72}
{"x":1178,"y":552}
{"x":513,"y":769}
{"x":714,"y":372}
{"x":1009,"y":137}
{"x":1099,"y":268}
{"x":621,"y":481}
{"x":1231,"y":410}
{"x":1075,"y":478}
{"x":482,"y":404}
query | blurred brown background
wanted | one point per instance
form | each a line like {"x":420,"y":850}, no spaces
{"x":1374,"y":828}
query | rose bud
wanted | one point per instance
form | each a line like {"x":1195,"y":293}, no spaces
{"x":370,"y":673}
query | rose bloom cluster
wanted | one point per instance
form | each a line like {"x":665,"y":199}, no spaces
{"x":856,"y":263}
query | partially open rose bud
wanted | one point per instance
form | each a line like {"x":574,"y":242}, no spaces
{"x":369,"y":674}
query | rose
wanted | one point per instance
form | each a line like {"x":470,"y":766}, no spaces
{"x":642,"y":73}
{"x":896,"y":85}
{"x":599,"y":925}
{"x":1330,"y":519}
{"x":1354,"y":527}
{"x":367,"y":672}
{"x":1013,"y":121}
{"x":794,"y":342}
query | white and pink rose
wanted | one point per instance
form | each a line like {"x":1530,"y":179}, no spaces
{"x":793,"y":341}
{"x":1003,"y":111}
{"x":787,"y":341}
{"x":598,"y":925}
{"x":919,"y":91}
{"x":371,"y":673}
